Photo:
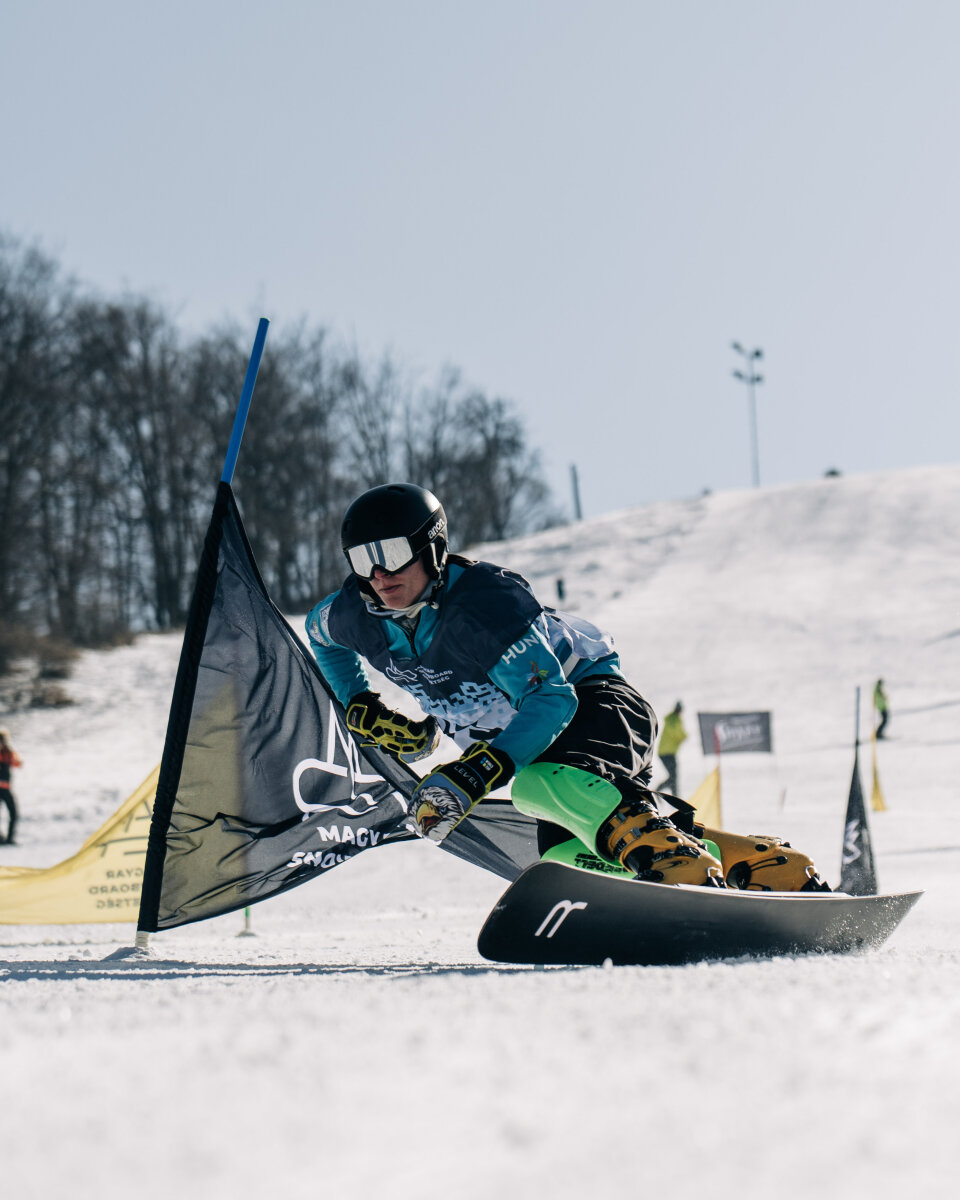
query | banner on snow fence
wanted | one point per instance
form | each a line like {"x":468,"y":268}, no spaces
{"x":100,"y":883}
{"x":735,"y":733}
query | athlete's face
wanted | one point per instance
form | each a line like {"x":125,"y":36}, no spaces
{"x":399,"y":589}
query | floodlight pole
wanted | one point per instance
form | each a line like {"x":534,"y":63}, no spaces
{"x":751,"y":379}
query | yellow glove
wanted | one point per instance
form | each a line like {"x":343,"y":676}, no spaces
{"x":376,"y":725}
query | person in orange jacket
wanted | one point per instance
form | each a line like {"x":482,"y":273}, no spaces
{"x":8,"y":759}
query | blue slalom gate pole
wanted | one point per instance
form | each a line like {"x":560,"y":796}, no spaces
{"x":240,"y":420}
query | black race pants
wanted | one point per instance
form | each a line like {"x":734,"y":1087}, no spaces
{"x":612,"y":734}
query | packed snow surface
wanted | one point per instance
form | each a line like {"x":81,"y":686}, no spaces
{"x":356,"y":1045}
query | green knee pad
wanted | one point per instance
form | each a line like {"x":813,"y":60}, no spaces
{"x":575,"y":799}
{"x":566,"y":796}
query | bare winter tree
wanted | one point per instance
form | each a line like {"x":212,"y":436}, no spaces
{"x":32,"y":304}
{"x":373,"y":399}
{"x":471,"y":451}
{"x":113,"y":433}
{"x":135,"y":377}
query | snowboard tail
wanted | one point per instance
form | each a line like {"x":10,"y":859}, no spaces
{"x":559,"y":914}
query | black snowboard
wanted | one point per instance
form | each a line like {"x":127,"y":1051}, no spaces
{"x":564,"y":915}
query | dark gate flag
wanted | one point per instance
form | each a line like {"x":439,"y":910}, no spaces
{"x":261,"y":786}
{"x":735,"y":733}
{"x":858,"y":873}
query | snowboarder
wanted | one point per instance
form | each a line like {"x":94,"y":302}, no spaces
{"x":513,"y":683}
{"x":882,"y":707}
{"x":8,"y":759}
{"x":671,"y":739}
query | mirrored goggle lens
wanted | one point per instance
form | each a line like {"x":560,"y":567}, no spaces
{"x":392,"y":554}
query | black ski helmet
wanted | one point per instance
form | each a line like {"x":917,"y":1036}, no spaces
{"x":391,"y":526}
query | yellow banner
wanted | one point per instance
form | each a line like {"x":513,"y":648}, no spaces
{"x":706,"y":800}
{"x":101,"y":882}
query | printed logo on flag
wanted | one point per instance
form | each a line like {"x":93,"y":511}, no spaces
{"x":852,"y":845}
{"x":858,"y":872}
{"x":319,"y":784}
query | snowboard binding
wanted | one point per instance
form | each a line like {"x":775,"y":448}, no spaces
{"x":654,"y":849}
{"x":759,"y":863}
{"x":752,"y":862}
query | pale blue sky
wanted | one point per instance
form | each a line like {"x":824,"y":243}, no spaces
{"x":580,"y":204}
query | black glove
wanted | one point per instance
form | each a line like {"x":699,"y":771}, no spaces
{"x":445,"y":796}
{"x":376,"y":725}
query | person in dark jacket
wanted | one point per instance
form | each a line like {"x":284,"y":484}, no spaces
{"x":529,"y":693}
{"x":8,"y":760}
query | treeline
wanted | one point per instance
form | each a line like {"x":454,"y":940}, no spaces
{"x":113,"y":431}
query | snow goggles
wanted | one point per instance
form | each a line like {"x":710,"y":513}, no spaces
{"x":390,"y":554}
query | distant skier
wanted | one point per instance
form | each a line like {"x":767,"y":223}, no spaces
{"x":882,"y":707}
{"x":671,"y":739}
{"x":8,"y":759}
{"x":513,"y":683}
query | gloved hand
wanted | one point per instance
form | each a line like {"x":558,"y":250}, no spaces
{"x":376,"y":725}
{"x":445,"y":796}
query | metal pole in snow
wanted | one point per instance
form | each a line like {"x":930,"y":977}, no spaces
{"x":233,"y":451}
{"x":229,"y":466}
{"x":240,"y":420}
{"x":575,"y":486}
{"x":856,"y":734}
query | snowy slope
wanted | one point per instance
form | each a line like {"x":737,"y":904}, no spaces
{"x":358,"y":1046}
{"x":789,"y":600}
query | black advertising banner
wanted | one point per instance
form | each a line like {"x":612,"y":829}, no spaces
{"x":858,"y":872}
{"x":261,"y":785}
{"x":735,"y":733}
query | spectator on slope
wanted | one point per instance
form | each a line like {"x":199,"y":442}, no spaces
{"x":671,"y":739}
{"x":514,"y":684}
{"x":8,"y":760}
{"x":882,"y":708}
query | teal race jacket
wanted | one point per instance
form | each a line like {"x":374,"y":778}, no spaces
{"x":482,"y":656}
